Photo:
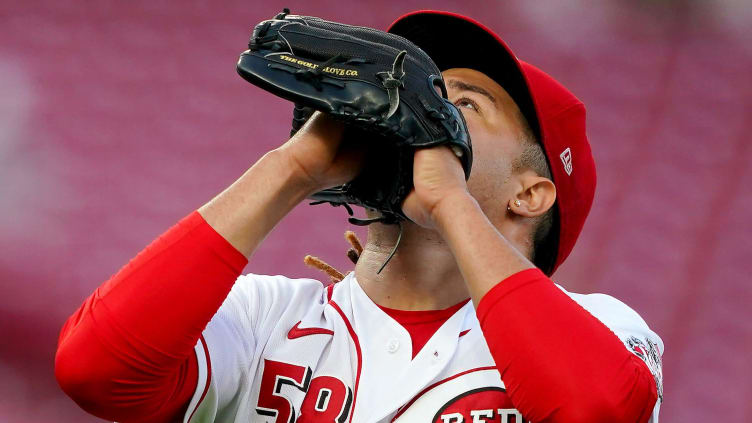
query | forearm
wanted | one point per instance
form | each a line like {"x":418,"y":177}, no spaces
{"x":250,"y":208}
{"x":483,"y":255}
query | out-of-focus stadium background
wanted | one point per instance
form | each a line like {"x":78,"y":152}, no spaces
{"x":119,"y":118}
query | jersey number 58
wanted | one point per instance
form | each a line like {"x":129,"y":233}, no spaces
{"x":327,"y":399}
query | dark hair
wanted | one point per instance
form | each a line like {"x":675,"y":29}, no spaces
{"x":545,"y":234}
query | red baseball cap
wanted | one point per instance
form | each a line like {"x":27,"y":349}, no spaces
{"x":555,"y":115}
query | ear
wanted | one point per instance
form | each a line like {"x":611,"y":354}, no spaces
{"x":536,"y":195}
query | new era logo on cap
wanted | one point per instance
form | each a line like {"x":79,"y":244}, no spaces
{"x":566,"y":158}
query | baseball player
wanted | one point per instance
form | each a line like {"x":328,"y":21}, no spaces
{"x":463,"y":325}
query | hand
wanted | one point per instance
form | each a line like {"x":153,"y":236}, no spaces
{"x":319,"y":154}
{"x":438,"y":177}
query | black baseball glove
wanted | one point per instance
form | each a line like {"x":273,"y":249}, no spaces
{"x":387,"y":90}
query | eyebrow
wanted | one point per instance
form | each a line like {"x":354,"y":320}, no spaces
{"x":464,"y":86}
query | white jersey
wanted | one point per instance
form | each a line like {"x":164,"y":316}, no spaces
{"x":290,"y":350}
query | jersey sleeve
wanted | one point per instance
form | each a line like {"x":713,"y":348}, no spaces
{"x":127,"y":353}
{"x":562,"y":356}
{"x":231,"y":346}
{"x":632,"y":330}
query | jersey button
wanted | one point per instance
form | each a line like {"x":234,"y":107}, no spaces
{"x":392,"y":346}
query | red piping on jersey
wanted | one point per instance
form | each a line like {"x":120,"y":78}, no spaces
{"x":357,"y":350}
{"x":420,"y":394}
{"x":329,"y":291}
{"x":296,"y":332}
{"x":208,"y":376}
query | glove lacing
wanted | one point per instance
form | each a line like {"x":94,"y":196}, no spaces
{"x":353,"y":254}
{"x":387,"y":219}
{"x":392,"y":81}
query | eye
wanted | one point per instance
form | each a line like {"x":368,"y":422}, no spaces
{"x":466,"y":103}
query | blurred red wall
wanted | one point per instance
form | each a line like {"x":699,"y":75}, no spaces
{"x":118,"y":118}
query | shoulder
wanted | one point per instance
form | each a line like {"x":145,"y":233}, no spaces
{"x":615,"y":314}
{"x":606,"y":306}
{"x":256,"y":300}
{"x":629,"y":327}
{"x":271,"y":286}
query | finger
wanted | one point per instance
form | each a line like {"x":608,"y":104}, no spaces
{"x":324,"y":126}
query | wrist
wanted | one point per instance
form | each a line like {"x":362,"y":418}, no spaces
{"x":293,"y":176}
{"x":451,"y":205}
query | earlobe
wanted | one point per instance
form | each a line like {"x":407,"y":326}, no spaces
{"x":515,"y":207}
{"x":517,"y":204}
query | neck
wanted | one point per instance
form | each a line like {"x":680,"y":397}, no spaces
{"x":422,"y":275}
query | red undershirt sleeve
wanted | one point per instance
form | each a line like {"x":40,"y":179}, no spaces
{"x":127,"y":353}
{"x":559,"y":362}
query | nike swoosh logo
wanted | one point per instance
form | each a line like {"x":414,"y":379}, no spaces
{"x":297,"y":332}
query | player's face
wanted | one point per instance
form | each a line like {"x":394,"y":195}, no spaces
{"x":493,"y":120}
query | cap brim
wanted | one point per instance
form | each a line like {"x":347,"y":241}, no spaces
{"x":455,"y":41}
